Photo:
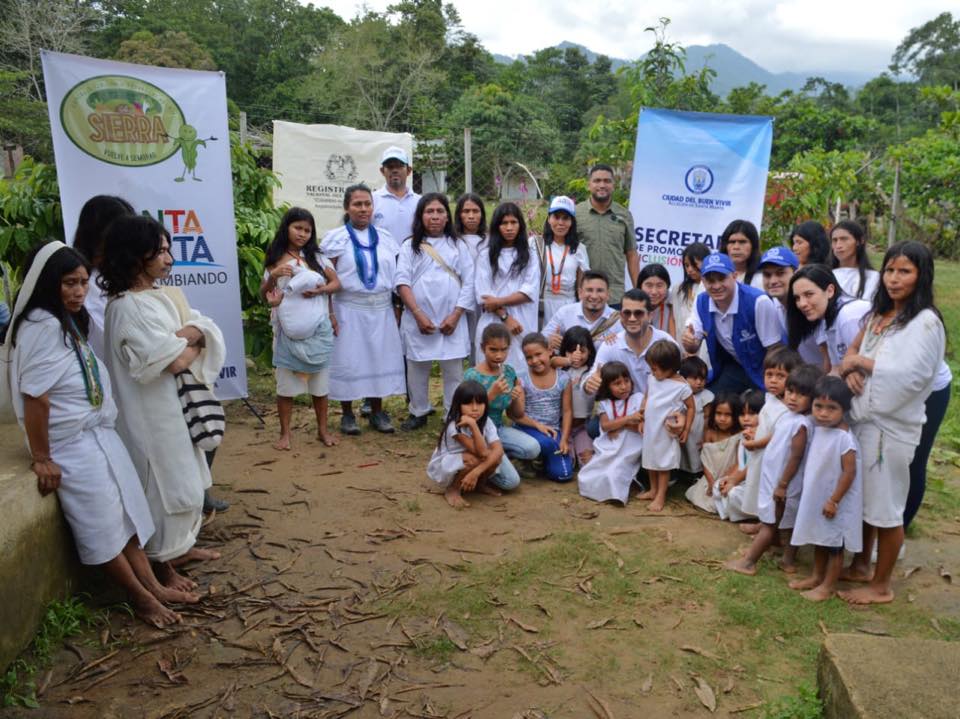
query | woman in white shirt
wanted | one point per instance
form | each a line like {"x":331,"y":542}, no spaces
{"x":849,"y":260}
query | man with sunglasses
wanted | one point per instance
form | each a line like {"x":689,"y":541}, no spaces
{"x":738,"y":322}
{"x":631,"y":345}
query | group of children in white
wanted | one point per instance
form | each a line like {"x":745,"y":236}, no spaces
{"x":783,"y":464}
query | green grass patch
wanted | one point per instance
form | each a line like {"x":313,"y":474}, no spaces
{"x":62,"y":620}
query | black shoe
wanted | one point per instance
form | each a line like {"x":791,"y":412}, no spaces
{"x":348,"y":425}
{"x":365,"y":409}
{"x":380,"y":421}
{"x":412,"y":423}
{"x":212,"y":504}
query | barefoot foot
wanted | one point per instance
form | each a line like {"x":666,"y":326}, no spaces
{"x":870,"y":594}
{"x":808,"y":583}
{"x":649,"y":494}
{"x":749,"y":527}
{"x":196,"y":554}
{"x":656,"y":505}
{"x":283,"y":443}
{"x":856,"y":573}
{"x":329,"y":439}
{"x":454,"y":498}
{"x":817,"y":594}
{"x":741,"y":566}
{"x":174,"y":596}
{"x":787,"y":567}
{"x":491,"y":491}
{"x":154,"y":613}
{"x":171,"y":579}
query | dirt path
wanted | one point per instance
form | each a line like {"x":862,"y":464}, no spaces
{"x":349,"y":588}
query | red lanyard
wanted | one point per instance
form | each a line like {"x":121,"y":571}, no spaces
{"x":664,"y":317}
{"x":617,"y":415}
{"x":297,"y":258}
{"x":555,"y":275}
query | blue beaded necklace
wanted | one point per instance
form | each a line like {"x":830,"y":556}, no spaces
{"x":367,"y":275}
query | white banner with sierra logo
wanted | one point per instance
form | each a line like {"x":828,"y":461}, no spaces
{"x":317,"y":163}
{"x":158,"y":138}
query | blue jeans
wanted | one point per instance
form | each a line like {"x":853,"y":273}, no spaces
{"x":559,"y":467}
{"x":517,"y":445}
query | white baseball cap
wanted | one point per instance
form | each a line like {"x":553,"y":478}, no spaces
{"x":395,"y":153}
{"x":562,"y":203}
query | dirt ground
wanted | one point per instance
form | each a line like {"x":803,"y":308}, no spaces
{"x":348,"y":588}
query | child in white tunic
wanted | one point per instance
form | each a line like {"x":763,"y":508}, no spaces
{"x":777,"y":365}
{"x":694,"y":370}
{"x":469,"y":449}
{"x":667,"y":395}
{"x":507,"y":282}
{"x":831,"y":506}
{"x":781,"y":480}
{"x":616,"y":452}
{"x":719,"y":454}
{"x":470,"y":223}
{"x":729,"y":493}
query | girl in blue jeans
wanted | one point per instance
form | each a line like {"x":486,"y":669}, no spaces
{"x":500,"y":381}
{"x":545,"y":409}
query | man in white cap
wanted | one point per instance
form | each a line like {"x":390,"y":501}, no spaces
{"x":394,"y":204}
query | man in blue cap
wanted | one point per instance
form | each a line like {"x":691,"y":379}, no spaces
{"x":738,"y":322}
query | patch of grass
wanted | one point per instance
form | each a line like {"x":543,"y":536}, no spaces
{"x":62,"y":620}
{"x":413,"y":506}
{"x":803,"y":705}
{"x":438,"y":649}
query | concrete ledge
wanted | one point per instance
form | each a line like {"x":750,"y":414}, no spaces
{"x":869,"y":677}
{"x":38,"y":561}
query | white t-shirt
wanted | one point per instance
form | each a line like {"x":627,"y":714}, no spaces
{"x":849,"y":281}
{"x":619,"y":351}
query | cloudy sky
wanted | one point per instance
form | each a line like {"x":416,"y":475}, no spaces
{"x":779,"y":35}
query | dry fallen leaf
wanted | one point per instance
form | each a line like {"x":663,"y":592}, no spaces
{"x":910,"y":572}
{"x":525,"y":627}
{"x":543,"y":609}
{"x":456,"y":635}
{"x":728,"y":687}
{"x":945,"y":574}
{"x":705,"y":694}
{"x":647,"y":684}
{"x":697,"y":650}
{"x":600,"y":623}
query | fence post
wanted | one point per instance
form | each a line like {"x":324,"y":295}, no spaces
{"x":894,"y":207}
{"x":467,"y":161}
{"x":243,"y":128}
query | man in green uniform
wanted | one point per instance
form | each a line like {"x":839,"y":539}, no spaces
{"x":606,"y":230}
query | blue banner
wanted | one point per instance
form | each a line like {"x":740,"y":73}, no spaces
{"x":694,"y":172}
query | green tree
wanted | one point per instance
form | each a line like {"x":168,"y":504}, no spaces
{"x":169,"y":49}
{"x":931,"y":52}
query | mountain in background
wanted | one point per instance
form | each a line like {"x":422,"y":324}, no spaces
{"x":734,"y":70}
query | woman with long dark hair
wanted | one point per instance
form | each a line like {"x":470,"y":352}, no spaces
{"x":470,"y":225}
{"x":809,"y":243}
{"x":63,"y":400}
{"x":891,"y":367}
{"x":367,"y":359}
{"x":435,"y":282}
{"x":507,"y":282}
{"x":563,"y":259}
{"x":850,"y":262}
{"x":741,"y":242}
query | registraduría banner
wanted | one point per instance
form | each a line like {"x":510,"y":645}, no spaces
{"x":316,"y":163}
{"x":157,"y":137}
{"x":693,"y":173}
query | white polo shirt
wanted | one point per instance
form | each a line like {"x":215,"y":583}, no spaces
{"x":765,"y":316}
{"x":395,"y":214}
{"x":620,"y":351}
{"x":571,"y":315}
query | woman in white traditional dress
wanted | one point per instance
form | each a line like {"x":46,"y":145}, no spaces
{"x":563,"y":259}
{"x":850,"y":262}
{"x":892,"y":368}
{"x":435,"y":282}
{"x":152,"y":335}
{"x":470,"y":225}
{"x":62,"y":398}
{"x":367,"y":359}
{"x":507,"y":282}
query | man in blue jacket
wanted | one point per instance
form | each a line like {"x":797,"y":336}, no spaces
{"x":739,"y":324}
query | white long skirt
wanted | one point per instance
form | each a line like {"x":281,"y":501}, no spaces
{"x":367,"y":358}
{"x":100,"y":494}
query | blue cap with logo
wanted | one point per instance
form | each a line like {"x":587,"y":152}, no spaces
{"x":562,"y":203}
{"x":781,"y":256}
{"x":717,"y":262}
